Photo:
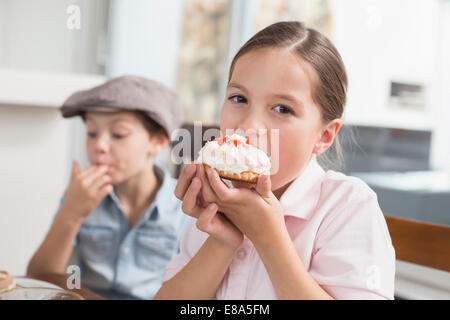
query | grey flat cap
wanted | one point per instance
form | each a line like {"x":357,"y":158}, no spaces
{"x":129,"y":93}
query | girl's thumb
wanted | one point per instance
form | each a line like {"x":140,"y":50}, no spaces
{"x":205,"y":219}
{"x":264,"y":186}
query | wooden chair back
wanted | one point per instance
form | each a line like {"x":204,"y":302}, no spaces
{"x":421,"y":243}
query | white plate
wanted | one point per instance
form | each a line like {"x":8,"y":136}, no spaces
{"x":39,"y":294}
{"x":30,"y":283}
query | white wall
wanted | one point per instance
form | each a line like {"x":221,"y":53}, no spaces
{"x":34,"y":35}
{"x":4,"y":21}
{"x":405,"y":40}
{"x":381,"y":41}
{"x":440,"y":93}
{"x":144,"y":38}
{"x":34,"y":153}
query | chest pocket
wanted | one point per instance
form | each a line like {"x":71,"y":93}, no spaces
{"x":156,"y":245}
{"x":96,"y":243}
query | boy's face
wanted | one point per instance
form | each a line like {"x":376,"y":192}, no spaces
{"x":120,"y":141}
{"x":272,"y":89}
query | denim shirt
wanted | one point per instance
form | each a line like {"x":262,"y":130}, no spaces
{"x":119,"y":262}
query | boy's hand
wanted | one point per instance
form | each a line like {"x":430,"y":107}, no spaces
{"x":209,"y":220}
{"x":86,"y":190}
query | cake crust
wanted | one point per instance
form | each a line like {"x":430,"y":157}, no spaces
{"x":246,"y":176}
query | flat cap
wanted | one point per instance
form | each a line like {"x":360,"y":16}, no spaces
{"x":129,"y":93}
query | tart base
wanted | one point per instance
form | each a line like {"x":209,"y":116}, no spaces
{"x":246,"y":176}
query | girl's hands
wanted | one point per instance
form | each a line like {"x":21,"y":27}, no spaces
{"x":253,"y":209}
{"x":202,"y":205}
{"x":86,"y":190}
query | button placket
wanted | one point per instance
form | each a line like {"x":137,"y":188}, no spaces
{"x":241,"y":253}
{"x":239,"y":269}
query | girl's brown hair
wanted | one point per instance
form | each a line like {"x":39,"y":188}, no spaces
{"x":313,"y":47}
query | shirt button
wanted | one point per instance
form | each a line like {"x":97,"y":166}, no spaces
{"x":241,"y":254}
{"x":126,"y":250}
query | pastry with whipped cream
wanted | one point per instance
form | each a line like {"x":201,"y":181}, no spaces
{"x":7,"y":282}
{"x":234,"y":158}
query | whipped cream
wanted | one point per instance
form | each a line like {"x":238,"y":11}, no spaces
{"x":237,"y":137}
{"x":233,"y":155}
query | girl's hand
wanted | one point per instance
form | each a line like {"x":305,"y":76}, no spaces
{"x":256,"y":212}
{"x":209,"y":220}
{"x":86,"y":190}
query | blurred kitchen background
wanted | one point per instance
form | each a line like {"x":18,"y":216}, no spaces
{"x":397,"y":54}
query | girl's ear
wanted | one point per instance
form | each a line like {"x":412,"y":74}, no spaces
{"x":157,"y":143}
{"x":327,"y":135}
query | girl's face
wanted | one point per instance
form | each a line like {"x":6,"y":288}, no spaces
{"x":120,"y":141}
{"x":272,"y":89}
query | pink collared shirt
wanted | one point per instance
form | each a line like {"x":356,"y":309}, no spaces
{"x":339,"y":232}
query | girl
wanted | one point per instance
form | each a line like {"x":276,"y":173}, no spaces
{"x":301,"y":233}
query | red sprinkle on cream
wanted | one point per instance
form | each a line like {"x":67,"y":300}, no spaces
{"x":227,"y":140}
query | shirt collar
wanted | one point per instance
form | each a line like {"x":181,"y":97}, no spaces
{"x":301,"y":197}
{"x":161,"y":201}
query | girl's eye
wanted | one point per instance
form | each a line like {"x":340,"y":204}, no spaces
{"x":282,"y":109}
{"x":92,"y":134}
{"x":118,"y":136}
{"x":238,"y":99}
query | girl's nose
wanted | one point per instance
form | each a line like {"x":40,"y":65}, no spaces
{"x":252,"y":120}
{"x":253,"y":127}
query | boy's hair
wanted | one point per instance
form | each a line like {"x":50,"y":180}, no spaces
{"x":313,"y":47}
{"x":152,"y":127}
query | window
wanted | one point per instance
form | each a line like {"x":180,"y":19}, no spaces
{"x":201,"y":67}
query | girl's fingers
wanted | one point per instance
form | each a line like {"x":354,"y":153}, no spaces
{"x":184,"y":180}
{"x":189,"y":205}
{"x":221,"y":190}
{"x":264,"y":186}
{"x":208,"y":193}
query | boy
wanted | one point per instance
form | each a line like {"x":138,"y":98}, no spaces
{"x":119,"y":217}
